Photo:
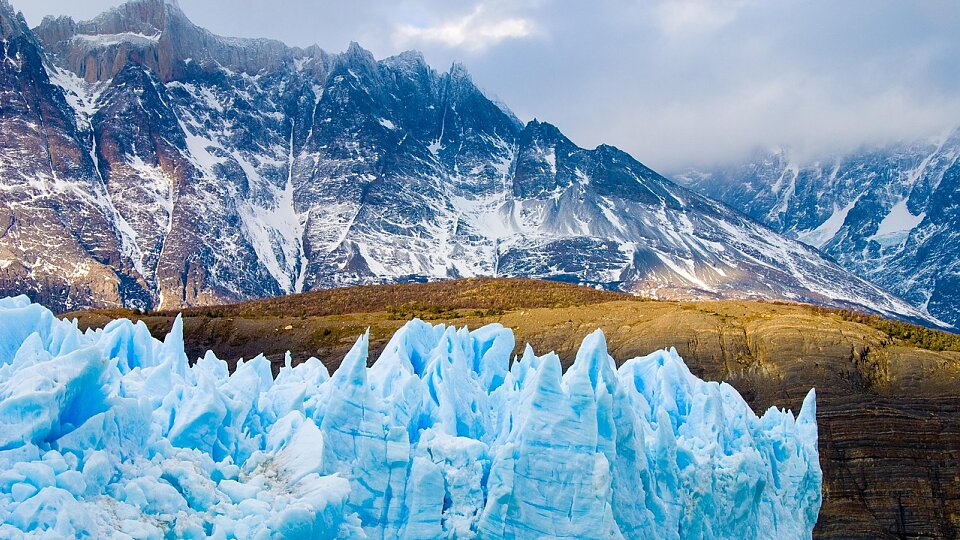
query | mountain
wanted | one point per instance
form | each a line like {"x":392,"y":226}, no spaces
{"x":890,"y":213}
{"x":150,"y":163}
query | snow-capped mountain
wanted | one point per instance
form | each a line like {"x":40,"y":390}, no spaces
{"x":891,"y":214}
{"x":147,"y":162}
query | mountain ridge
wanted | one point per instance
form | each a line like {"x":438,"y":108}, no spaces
{"x":888,"y":212}
{"x":214,"y":184}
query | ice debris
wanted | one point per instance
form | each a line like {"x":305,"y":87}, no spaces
{"x":111,"y":433}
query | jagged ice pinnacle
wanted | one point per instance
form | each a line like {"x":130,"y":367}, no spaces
{"x":113,"y":433}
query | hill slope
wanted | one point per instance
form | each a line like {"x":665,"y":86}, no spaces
{"x":889,"y":411}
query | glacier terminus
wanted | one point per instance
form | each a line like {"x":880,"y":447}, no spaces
{"x":112,"y":433}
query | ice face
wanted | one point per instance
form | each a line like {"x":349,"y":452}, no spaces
{"x":113,"y":433}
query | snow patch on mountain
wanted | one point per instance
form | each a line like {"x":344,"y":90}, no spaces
{"x":828,"y":229}
{"x":108,"y":40}
{"x":897,"y":224}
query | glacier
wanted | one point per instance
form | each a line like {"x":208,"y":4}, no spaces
{"x":112,"y":433}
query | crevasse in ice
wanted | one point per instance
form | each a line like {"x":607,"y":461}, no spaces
{"x":111,"y":433}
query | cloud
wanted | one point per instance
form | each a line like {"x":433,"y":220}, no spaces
{"x":683,"y":19}
{"x":475,"y":31}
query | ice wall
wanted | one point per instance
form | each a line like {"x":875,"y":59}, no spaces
{"x":112,"y":433}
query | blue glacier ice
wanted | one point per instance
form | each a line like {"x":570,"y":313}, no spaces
{"x":112,"y":433}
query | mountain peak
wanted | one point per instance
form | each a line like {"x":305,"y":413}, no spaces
{"x":12,"y":23}
{"x":458,"y":71}
{"x":157,"y":34}
{"x":461,"y":82}
{"x":356,"y":53}
{"x":151,"y":18}
{"x":358,"y":59}
{"x":141,"y":15}
{"x":410,"y":58}
{"x":543,"y":131}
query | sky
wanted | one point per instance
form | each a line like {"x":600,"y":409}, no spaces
{"x":677,"y":83}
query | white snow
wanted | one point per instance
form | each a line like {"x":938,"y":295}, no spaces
{"x":896,"y":226}
{"x":829,"y":228}
{"x":583,"y":177}
{"x":276,"y":230}
{"x":156,"y":185}
{"x":199,"y":153}
{"x":550,"y":154}
{"x":685,"y":269}
{"x":486,"y":215}
{"x":609,"y":209}
{"x":107,"y":40}
{"x":82,"y":96}
{"x":793,"y":171}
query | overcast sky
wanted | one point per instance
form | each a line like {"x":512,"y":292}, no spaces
{"x":674,"y":82}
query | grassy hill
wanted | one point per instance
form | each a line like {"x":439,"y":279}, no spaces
{"x":888,"y":392}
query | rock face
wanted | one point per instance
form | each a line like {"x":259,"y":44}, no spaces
{"x":58,"y":237}
{"x":891,"y":214}
{"x":156,"y":35}
{"x":189,"y":169}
